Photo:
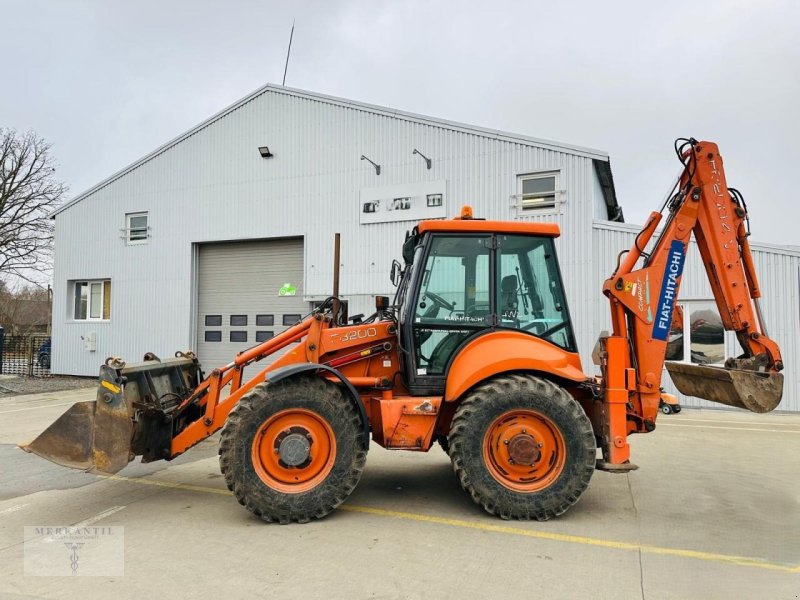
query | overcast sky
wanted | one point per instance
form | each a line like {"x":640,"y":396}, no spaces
{"x":107,"y":81}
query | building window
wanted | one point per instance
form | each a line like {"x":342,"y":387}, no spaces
{"x":434,"y":200}
{"x":93,"y":300}
{"x":536,"y":191}
{"x":696,"y":334}
{"x":136,"y":228}
{"x":265,"y":320}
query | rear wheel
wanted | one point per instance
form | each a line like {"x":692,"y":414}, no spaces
{"x":291,"y":451}
{"x":666,"y":409}
{"x":522,"y":447}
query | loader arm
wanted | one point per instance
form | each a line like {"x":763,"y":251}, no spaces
{"x":644,"y":299}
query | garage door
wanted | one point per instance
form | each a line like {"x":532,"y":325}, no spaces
{"x":248,"y":292}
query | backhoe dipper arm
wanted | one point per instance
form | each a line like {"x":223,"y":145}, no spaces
{"x":643,"y":301}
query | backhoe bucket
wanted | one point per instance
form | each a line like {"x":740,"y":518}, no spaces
{"x":131,"y":415}
{"x":755,"y":391}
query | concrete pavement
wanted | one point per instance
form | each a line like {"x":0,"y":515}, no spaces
{"x":713,"y":512}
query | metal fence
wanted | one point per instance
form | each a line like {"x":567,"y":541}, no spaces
{"x":24,"y":355}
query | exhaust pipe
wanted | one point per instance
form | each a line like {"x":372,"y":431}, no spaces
{"x":756,"y":391}
{"x":133,"y":414}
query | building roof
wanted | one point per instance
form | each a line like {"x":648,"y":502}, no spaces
{"x":598,"y":156}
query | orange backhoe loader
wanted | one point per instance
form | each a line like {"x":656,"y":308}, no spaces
{"x":477,"y":352}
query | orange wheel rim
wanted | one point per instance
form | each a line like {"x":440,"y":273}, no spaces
{"x":294,"y":450}
{"x":524,"y":450}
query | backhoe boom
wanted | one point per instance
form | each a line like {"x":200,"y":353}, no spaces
{"x":644,"y":300}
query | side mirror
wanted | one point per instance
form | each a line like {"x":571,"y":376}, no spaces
{"x":396,"y":273}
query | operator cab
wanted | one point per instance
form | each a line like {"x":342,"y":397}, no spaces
{"x":467,"y":278}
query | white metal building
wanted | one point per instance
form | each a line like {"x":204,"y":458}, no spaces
{"x":223,"y":236}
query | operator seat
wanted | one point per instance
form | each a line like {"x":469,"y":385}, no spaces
{"x":508,"y":295}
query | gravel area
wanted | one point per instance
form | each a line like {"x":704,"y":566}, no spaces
{"x":15,"y":386}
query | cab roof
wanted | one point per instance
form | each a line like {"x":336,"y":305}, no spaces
{"x":458,"y":225}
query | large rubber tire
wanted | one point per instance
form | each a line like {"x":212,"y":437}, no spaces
{"x":486,"y":405}
{"x":310,"y":395}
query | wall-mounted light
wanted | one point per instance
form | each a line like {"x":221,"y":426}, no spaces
{"x":377,"y":167}
{"x":264,"y":152}
{"x":427,"y":160}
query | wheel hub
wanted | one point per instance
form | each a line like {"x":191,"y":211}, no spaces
{"x":523,"y":450}
{"x":294,"y":448}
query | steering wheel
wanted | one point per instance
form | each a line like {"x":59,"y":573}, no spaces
{"x":439,"y":301}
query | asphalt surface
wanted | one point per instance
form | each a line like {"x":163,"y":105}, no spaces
{"x":713,"y":512}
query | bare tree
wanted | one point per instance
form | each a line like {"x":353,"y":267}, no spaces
{"x":25,"y":310}
{"x":29,"y":192}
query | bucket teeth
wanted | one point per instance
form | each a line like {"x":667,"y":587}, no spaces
{"x":755,"y":391}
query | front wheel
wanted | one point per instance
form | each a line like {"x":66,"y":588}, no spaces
{"x":666,"y":409}
{"x":522,"y":447}
{"x":292,"y":451}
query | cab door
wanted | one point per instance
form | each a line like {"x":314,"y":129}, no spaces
{"x":451,"y":301}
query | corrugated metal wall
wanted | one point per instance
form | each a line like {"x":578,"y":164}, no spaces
{"x":779,"y":275}
{"x":213,"y":185}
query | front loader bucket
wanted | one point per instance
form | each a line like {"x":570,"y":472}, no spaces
{"x":755,"y":391}
{"x":93,"y":436}
{"x":132,"y":415}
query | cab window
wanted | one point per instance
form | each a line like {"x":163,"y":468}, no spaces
{"x":453,"y":301}
{"x":529,"y":292}
{"x":455,"y":282}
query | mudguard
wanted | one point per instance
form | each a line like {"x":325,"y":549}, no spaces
{"x":355,"y":398}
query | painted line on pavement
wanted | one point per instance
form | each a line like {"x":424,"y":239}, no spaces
{"x":728,"y":428}
{"x":742,"y":561}
{"x":772,"y":423}
{"x":12,"y":509}
{"x":3,"y":412}
{"x":85,"y":523}
{"x":99,"y":516}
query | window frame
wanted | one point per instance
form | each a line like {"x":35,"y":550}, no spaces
{"x":428,"y":383}
{"x":559,"y":195}
{"x":89,"y":283}
{"x":129,"y":229}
